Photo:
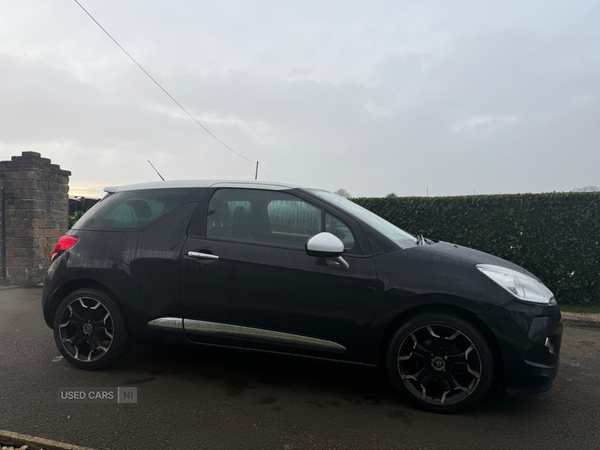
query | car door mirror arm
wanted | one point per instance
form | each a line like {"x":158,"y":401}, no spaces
{"x":338,"y":263}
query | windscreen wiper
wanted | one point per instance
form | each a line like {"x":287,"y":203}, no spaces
{"x":422,"y":240}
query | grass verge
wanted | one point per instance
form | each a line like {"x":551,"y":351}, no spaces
{"x":580,"y":309}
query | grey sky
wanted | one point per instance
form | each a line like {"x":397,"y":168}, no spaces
{"x":373,"y":97}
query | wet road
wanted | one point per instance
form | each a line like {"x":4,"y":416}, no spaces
{"x":196,"y":398}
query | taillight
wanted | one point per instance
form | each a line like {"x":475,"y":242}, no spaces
{"x":63,"y":244}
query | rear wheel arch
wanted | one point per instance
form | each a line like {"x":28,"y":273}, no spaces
{"x":74,"y":285}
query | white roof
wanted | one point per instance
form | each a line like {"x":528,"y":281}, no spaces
{"x":271,"y":185}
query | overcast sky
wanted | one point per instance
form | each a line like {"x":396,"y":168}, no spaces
{"x":453,"y":97}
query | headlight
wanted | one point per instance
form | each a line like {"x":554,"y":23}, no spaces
{"x":518,"y":284}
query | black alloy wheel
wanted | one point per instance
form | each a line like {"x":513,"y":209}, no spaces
{"x":441,"y":362}
{"x":89,"y":329}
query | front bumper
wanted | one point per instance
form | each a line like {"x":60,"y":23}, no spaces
{"x":529,"y":337}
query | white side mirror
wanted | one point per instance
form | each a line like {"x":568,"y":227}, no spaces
{"x":324,"y":245}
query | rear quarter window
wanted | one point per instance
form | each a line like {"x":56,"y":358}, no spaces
{"x":131,"y":210}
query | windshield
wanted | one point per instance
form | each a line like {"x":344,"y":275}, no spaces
{"x":392,"y":232}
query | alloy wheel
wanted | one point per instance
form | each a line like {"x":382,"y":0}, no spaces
{"x":86,"y":329}
{"x":439,"y":364}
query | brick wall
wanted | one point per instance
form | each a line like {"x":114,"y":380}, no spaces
{"x":36,"y":214}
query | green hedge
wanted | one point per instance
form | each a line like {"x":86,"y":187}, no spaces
{"x":555,"y":236}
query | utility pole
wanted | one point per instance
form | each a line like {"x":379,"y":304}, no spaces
{"x":256,"y":174}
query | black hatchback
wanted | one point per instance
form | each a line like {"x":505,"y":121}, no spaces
{"x":296,"y":270}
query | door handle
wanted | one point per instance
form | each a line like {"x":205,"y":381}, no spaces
{"x":202,"y":255}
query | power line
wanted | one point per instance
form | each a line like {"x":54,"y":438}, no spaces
{"x":165,"y":91}
{"x":261,"y":168}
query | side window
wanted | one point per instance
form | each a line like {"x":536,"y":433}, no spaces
{"x":262,"y":217}
{"x":135,"y":212}
{"x":339,"y":229}
{"x":132,"y":209}
{"x":294,"y":218}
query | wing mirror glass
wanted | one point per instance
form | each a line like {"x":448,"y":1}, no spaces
{"x":324,"y":245}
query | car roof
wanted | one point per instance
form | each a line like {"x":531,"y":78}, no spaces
{"x":271,"y":185}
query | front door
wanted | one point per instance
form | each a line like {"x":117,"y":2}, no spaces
{"x":248,"y":281}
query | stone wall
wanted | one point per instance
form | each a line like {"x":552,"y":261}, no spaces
{"x":36,"y":196}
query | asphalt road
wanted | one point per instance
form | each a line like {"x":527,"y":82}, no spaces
{"x":195,"y":398}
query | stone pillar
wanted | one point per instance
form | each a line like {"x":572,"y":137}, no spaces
{"x":36,"y":215}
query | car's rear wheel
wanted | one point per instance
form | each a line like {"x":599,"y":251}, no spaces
{"x":90,"y":330}
{"x":441,"y":362}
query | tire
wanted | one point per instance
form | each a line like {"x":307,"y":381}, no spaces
{"x":441,"y":362}
{"x":90,"y":330}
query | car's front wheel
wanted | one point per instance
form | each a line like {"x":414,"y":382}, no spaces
{"x":440,"y":361}
{"x":90,"y":330}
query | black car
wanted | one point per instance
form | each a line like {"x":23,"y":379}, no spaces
{"x":295,"y":270}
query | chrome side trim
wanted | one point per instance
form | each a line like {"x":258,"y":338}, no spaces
{"x":167,"y":323}
{"x":225,"y":330}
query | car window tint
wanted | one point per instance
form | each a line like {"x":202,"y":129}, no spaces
{"x":294,"y":217}
{"x":338,"y":228}
{"x":262,"y":217}
{"x":233,"y":205}
{"x":131,"y":209}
